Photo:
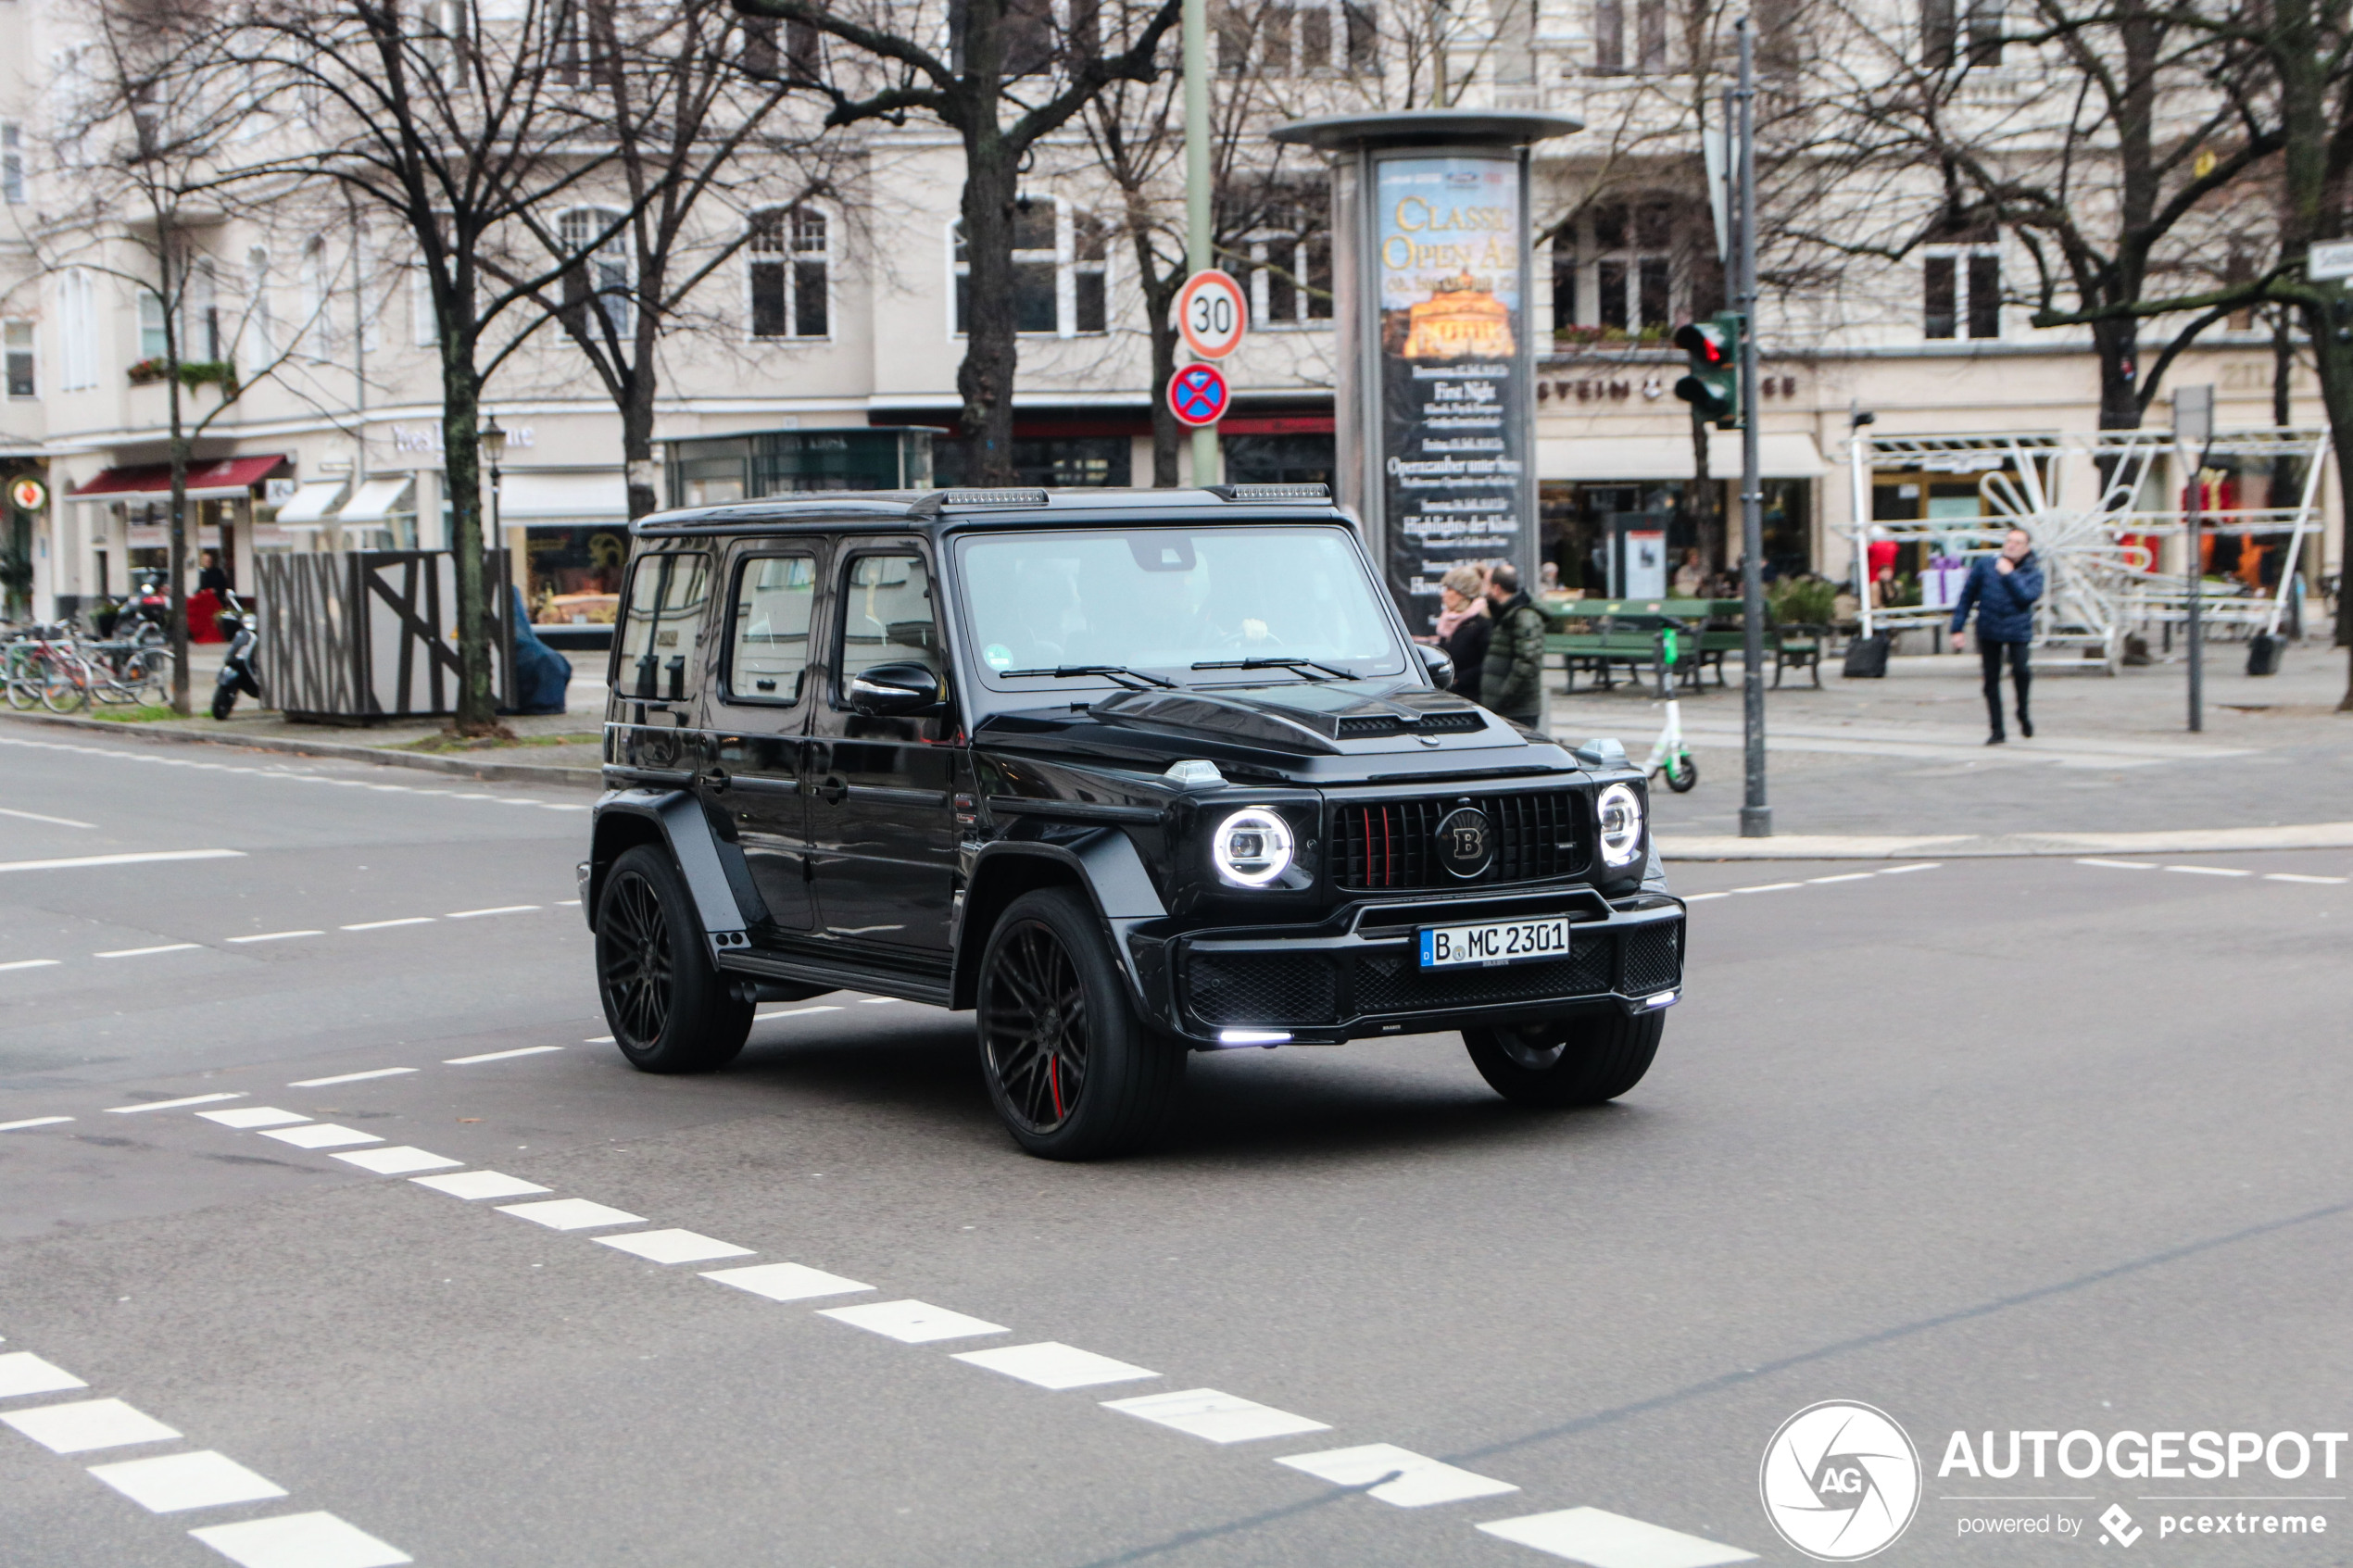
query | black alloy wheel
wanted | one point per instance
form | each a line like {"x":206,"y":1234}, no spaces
{"x":1033,"y":1021}
{"x":1580,"y":1058}
{"x":670,"y":1009}
{"x":1072,"y":1071}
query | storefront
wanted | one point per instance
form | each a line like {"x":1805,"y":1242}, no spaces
{"x":713,"y":471}
{"x":572,"y":530}
{"x":118,"y":524}
{"x":1594,"y":490}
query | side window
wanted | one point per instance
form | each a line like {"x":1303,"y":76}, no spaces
{"x":886,"y":615}
{"x":667,"y":596}
{"x":768,"y":645}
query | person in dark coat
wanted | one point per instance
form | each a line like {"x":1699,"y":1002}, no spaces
{"x":1512,"y":680}
{"x":1463,"y":627}
{"x":2002,"y":589}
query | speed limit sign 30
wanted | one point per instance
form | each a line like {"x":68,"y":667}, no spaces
{"x":1212,"y":312}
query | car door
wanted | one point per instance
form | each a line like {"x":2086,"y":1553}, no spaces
{"x":881,"y":826}
{"x":766,"y":686}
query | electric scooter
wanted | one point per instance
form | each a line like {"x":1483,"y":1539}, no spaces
{"x":236,"y":670}
{"x":1668,"y":754}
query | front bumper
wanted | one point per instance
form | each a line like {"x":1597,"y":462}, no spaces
{"x":1358,"y":975}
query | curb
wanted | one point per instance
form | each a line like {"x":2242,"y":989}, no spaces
{"x":1843,"y":846}
{"x":493,"y":772}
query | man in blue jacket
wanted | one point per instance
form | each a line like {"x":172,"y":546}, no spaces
{"x":2003,"y":589}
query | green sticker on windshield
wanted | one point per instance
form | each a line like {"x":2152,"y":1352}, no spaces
{"x":999,"y":655}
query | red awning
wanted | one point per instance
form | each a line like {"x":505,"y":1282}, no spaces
{"x":207,"y":482}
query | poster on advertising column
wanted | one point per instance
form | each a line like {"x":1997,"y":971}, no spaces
{"x":1453,"y":417}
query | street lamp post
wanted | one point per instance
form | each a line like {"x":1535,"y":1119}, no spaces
{"x":493,"y":437}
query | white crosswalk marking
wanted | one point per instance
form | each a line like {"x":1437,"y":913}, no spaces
{"x":1602,"y":1539}
{"x":1412,"y":1480}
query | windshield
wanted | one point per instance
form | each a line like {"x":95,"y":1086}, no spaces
{"x":1164,"y":600}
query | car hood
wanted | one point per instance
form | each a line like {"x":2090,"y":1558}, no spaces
{"x":1299,"y":718}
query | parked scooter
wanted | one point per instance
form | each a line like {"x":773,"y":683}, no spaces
{"x":236,"y":671}
{"x":146,"y":616}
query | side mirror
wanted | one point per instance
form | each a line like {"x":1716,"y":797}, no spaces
{"x":1436,"y":666}
{"x":883,"y":690}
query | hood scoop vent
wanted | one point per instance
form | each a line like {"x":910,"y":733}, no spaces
{"x":1368,"y":726}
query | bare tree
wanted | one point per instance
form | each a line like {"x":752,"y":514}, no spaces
{"x":687,"y":96}
{"x":145,"y":121}
{"x":1011,"y":73}
{"x":455,"y":123}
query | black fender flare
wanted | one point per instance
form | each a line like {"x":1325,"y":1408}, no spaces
{"x":1106,"y":866}
{"x":724,"y":898}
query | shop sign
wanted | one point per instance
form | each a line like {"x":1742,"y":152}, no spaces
{"x":29,"y":494}
{"x":427,"y":438}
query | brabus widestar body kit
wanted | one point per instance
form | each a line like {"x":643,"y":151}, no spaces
{"x":1129,"y":774}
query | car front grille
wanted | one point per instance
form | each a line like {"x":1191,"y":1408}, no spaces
{"x":1264,"y":989}
{"x":1653,"y":957}
{"x":1391,"y":845}
{"x":1394,"y":983}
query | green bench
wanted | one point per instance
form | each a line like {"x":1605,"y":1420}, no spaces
{"x":1600,"y":635}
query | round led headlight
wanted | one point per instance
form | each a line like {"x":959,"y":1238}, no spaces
{"x":1620,"y":810}
{"x":1251,"y":848}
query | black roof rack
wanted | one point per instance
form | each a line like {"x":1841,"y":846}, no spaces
{"x":1270,"y":492}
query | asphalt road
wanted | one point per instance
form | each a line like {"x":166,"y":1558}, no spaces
{"x":1991,"y":1145}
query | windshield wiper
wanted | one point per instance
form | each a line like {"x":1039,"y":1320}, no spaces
{"x":1271,"y":662}
{"x":1109,"y":671}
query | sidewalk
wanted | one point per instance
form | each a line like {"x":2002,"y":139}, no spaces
{"x":1905,"y":758}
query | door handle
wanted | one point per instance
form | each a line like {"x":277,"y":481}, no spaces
{"x":833,"y":789}
{"x":715,"y":779}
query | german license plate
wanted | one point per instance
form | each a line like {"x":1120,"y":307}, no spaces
{"x":1502,"y":941}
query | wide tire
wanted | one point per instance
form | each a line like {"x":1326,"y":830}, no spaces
{"x":670,"y":1009}
{"x":1583,"y":1059}
{"x":1072,"y":1070}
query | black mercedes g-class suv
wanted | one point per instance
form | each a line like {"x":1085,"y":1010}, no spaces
{"x":1131,"y":773}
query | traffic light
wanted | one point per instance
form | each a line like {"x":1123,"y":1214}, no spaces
{"x":1714,"y":385}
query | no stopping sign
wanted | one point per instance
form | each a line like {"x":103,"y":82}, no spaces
{"x":1197,"y":396}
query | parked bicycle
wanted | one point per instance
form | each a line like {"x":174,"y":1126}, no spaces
{"x":45,"y":665}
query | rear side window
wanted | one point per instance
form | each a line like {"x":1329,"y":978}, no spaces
{"x":886,"y":615}
{"x":668,"y":595}
{"x":768,"y":648}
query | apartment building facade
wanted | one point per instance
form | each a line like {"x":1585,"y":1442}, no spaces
{"x":823,"y":353}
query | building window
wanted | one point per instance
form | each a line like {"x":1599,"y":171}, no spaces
{"x":316,"y":332}
{"x":791,"y":267}
{"x":1634,"y":270}
{"x":1939,"y":34}
{"x":801,"y":56}
{"x":1062,"y":260}
{"x":200,"y":315}
{"x":23,"y":358}
{"x":78,"y":329}
{"x":1961,"y":293}
{"x":12,"y":163}
{"x":600,"y":270}
{"x":1985,"y":22}
{"x":1297,"y":38}
{"x":262,"y":323}
{"x":154,"y":342}
{"x":1611,"y":54}
{"x":425,"y":325}
{"x":1286,"y":268}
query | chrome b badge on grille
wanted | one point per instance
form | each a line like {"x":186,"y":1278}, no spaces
{"x":1466,"y":843}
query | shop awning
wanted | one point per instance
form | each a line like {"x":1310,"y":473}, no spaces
{"x":218,"y":481}
{"x":563,"y":497}
{"x":310,"y":504}
{"x":376,"y":500}
{"x":1600,"y":457}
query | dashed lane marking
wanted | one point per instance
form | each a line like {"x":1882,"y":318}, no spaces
{"x":500,"y":910}
{"x":1769,"y":887}
{"x":37,"y":817}
{"x":171,"y":1483}
{"x":146,"y":857}
{"x":349,"y":1077}
{"x":673,"y":1247}
{"x":23,"y":1372}
{"x":248,"y":1118}
{"x":300,"y":1540}
{"x":472,"y":1184}
{"x":274,"y":937}
{"x":1810,"y":882}
{"x":2118,"y":865}
{"x":1054,"y":1365}
{"x":571,"y":1214}
{"x":1405,"y":1478}
{"x":31,"y":964}
{"x":787,"y":1281}
{"x":86,"y":1425}
{"x":398,"y":1159}
{"x":794,"y":1012}
{"x":2209,"y":871}
{"x":1603,"y":1539}
{"x":2212,"y":870}
{"x":1217,"y":1417}
{"x":35,"y":1121}
{"x":1844,"y":876}
{"x":174,"y":1104}
{"x":143,"y":952}
{"x":319,"y":1134}
{"x":389,"y":924}
{"x":497,"y":1056}
{"x":911,"y":1323}
{"x":2299,"y":876}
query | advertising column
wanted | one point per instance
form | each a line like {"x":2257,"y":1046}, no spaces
{"x":1455,"y":424}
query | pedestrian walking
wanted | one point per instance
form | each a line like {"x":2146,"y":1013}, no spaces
{"x":1463,"y":626}
{"x":1512,"y":679}
{"x":2002,"y":589}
